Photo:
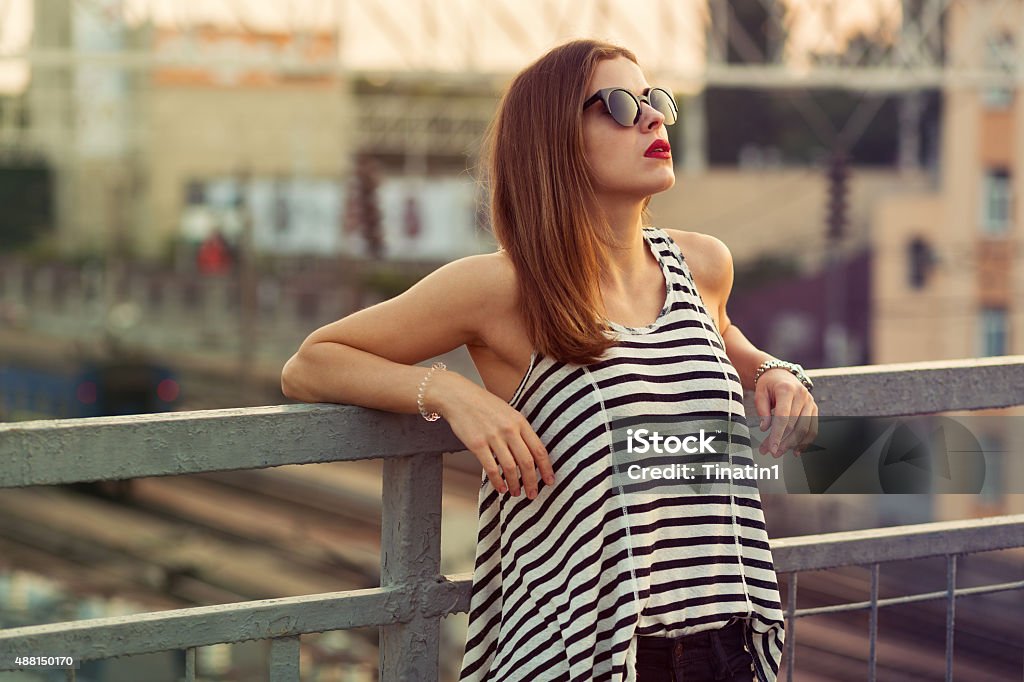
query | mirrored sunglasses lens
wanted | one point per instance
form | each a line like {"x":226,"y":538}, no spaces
{"x":663,"y":102}
{"x":622,"y":107}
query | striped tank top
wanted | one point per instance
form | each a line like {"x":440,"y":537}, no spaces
{"x":564,"y":583}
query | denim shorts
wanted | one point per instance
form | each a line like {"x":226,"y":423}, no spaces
{"x":719,"y":655}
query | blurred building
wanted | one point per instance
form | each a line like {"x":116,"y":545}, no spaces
{"x":226,"y":144}
{"x":200,"y":130}
{"x":949,"y":277}
{"x":83,"y":124}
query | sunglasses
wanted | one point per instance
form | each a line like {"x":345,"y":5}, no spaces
{"x":624,"y":106}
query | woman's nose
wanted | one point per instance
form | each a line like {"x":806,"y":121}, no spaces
{"x":650,"y":117}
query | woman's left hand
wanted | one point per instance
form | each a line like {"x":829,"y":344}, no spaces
{"x":788,"y":409}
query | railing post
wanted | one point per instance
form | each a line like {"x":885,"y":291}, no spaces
{"x":873,"y":624}
{"x":950,"y":612}
{"x":284,"y":659}
{"x":790,"y":643}
{"x":411,"y":556}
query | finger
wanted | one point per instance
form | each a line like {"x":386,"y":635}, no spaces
{"x":781,"y":418}
{"x":794,"y":426}
{"x":812,"y":434}
{"x":801,"y":425}
{"x":812,"y":429}
{"x":508,"y":465}
{"x":491,"y":468}
{"x":763,"y":405}
{"x":540,"y":454}
{"x":526,"y":467}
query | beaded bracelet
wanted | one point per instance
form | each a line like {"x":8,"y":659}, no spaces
{"x":433,"y":416}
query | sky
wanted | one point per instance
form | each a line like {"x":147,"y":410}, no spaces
{"x":449,"y":34}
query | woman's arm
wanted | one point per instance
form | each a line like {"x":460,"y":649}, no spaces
{"x":743,"y":354}
{"x":368,"y":359}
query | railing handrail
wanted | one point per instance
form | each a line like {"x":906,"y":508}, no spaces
{"x":50,"y":452}
{"x":897,"y":543}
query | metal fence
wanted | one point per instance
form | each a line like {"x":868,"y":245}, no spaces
{"x":875,"y":547}
{"x":413,"y":595}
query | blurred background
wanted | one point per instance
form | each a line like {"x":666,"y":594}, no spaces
{"x":190,"y":188}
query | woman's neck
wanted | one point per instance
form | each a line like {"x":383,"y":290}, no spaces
{"x":626,"y":266}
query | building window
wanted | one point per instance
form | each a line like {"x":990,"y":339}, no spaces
{"x":920,"y":260}
{"x":195,"y":193}
{"x":995,"y":201}
{"x":999,"y":57}
{"x":993,"y":331}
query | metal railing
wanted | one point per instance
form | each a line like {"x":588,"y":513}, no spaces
{"x":901,"y":543}
{"x":413,"y":595}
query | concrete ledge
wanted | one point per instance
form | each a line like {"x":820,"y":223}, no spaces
{"x":917,"y":387}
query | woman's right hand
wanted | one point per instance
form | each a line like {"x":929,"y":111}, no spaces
{"x":496,"y":433}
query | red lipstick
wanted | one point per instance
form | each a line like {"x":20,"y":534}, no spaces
{"x":659,"y":149}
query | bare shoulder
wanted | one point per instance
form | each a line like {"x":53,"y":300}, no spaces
{"x":488,"y":286}
{"x":704,"y":249}
{"x":491,"y":274}
{"x":453,"y":305}
{"x":709,"y":260}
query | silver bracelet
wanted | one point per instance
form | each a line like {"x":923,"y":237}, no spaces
{"x":433,"y":416}
{"x":794,"y":368}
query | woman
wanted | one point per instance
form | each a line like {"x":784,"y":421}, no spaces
{"x":584,"y":317}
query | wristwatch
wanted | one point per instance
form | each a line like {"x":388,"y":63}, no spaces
{"x":796,"y":369}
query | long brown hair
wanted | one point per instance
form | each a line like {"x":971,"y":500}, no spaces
{"x":542,"y":202}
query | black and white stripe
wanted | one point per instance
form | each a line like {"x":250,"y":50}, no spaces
{"x":563,"y":583}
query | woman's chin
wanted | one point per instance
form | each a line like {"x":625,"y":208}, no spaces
{"x":665,"y":184}
{"x":641,"y":190}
